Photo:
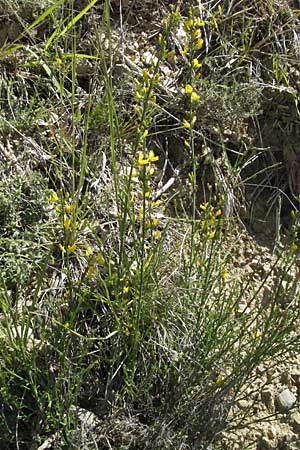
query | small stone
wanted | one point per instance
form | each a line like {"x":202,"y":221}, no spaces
{"x":295,"y":421}
{"x":286,"y":399}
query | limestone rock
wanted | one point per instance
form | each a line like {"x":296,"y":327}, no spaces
{"x":286,"y":400}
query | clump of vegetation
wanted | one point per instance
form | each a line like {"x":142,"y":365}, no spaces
{"x":117,"y":293}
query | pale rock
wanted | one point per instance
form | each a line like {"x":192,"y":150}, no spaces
{"x":286,"y":400}
{"x":149,"y":59}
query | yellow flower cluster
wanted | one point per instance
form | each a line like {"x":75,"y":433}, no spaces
{"x":209,"y":225}
{"x":192,"y":26}
{"x":147,"y":159}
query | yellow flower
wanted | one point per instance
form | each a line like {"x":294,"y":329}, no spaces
{"x":72,"y":248}
{"x":195,"y":97}
{"x":197,"y":33}
{"x":186,"y":124}
{"x":147,"y":194}
{"x":188,"y":89}
{"x":152,"y":157}
{"x":142,"y":161}
{"x":61,"y":247}
{"x":196,"y":63}
{"x":199,"y":44}
{"x":145,"y":134}
{"x":218,"y":213}
{"x":54,"y":197}
{"x":157,"y":234}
